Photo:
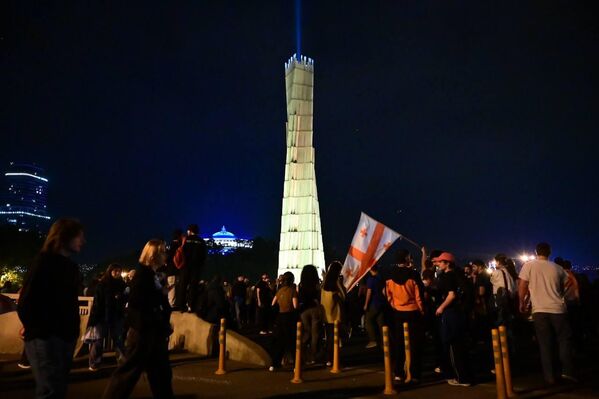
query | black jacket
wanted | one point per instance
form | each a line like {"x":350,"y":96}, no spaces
{"x":215,"y":304}
{"x":148,"y":309}
{"x":48,"y":304}
{"x":109,"y":302}
{"x":195,"y":252}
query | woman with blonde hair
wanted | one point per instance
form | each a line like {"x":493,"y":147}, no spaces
{"x":49,"y":308}
{"x":332,"y":297}
{"x":148,"y":318}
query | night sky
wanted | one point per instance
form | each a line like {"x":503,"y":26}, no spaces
{"x":466,"y":126}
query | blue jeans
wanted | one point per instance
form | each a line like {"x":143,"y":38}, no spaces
{"x":50,"y":360}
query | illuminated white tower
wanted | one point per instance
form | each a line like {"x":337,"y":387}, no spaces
{"x":301,"y":235}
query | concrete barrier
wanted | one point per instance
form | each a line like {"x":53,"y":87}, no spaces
{"x":190,"y":333}
{"x":245,"y":350}
{"x":10,"y":340}
{"x":198,"y":336}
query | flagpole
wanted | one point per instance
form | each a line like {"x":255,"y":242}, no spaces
{"x":402,"y":237}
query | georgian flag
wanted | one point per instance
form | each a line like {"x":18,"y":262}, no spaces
{"x":370,"y":242}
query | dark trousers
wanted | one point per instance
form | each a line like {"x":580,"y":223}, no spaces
{"x":50,"y":360}
{"x":416,"y":329}
{"x":96,"y":349}
{"x":144,"y":351}
{"x":24,"y":361}
{"x":284,"y":336}
{"x":330,"y":340}
{"x":374,"y":319}
{"x":264,"y":317}
{"x":311,"y":321}
{"x":239,"y":310}
{"x":186,"y":291}
{"x":481,"y":332}
{"x":552,"y":328}
{"x":455,"y":355}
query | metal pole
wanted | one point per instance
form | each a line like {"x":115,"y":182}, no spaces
{"x":505,"y":354}
{"x":335,"y":368}
{"x":406,"y":340}
{"x":297,"y":370}
{"x":499,"y":377}
{"x":222,"y":341}
{"x":388,"y":379}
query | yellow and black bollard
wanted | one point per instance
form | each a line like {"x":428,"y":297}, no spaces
{"x":222,"y":341}
{"x":388,"y":378}
{"x":499,"y":377}
{"x":408,"y":363}
{"x":335,"y":369}
{"x":297,"y":370}
{"x":505,"y":354}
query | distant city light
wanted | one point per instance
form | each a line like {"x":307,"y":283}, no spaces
{"x":26,"y":174}
{"x":23,"y":213}
{"x":526,"y":257}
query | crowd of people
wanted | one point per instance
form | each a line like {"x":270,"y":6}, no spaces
{"x":449,"y":308}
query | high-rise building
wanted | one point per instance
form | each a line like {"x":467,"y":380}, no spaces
{"x":301,"y":234}
{"x":25,"y":197}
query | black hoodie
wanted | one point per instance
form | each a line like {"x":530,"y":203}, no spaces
{"x":48,"y":304}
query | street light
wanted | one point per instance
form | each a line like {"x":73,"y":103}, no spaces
{"x":526,"y":257}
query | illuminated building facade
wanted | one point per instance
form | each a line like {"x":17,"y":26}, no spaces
{"x":225,"y":242}
{"x":301,"y":234}
{"x":24,"y":202}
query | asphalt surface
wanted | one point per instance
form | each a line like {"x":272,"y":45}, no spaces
{"x":362,"y":376}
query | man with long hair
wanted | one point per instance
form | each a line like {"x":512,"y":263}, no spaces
{"x":49,"y":308}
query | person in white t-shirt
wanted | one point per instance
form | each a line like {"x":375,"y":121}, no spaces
{"x":545,"y":282}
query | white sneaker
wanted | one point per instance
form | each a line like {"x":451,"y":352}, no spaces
{"x":397,"y":378}
{"x":23,"y":366}
{"x":263,"y":333}
{"x":456,"y":383}
{"x":329,"y":364}
{"x":438,"y":370}
{"x":569,"y":378}
{"x":271,"y":368}
{"x":371,"y":344}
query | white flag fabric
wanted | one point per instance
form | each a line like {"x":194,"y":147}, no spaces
{"x":370,"y":242}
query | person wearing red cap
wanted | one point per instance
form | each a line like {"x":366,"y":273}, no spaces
{"x":453,"y":322}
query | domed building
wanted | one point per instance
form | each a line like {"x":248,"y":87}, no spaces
{"x":224,"y":242}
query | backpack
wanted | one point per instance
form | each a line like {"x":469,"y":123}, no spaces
{"x":179,"y":258}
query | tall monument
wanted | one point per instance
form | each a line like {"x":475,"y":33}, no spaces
{"x":301,"y":235}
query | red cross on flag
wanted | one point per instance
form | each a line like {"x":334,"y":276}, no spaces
{"x":370,"y":242}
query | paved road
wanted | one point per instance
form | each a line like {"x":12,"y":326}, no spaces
{"x":362,"y":376}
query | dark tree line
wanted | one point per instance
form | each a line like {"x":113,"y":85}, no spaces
{"x":18,"y":248}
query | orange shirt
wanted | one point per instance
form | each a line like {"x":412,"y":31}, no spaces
{"x":404,"y":297}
